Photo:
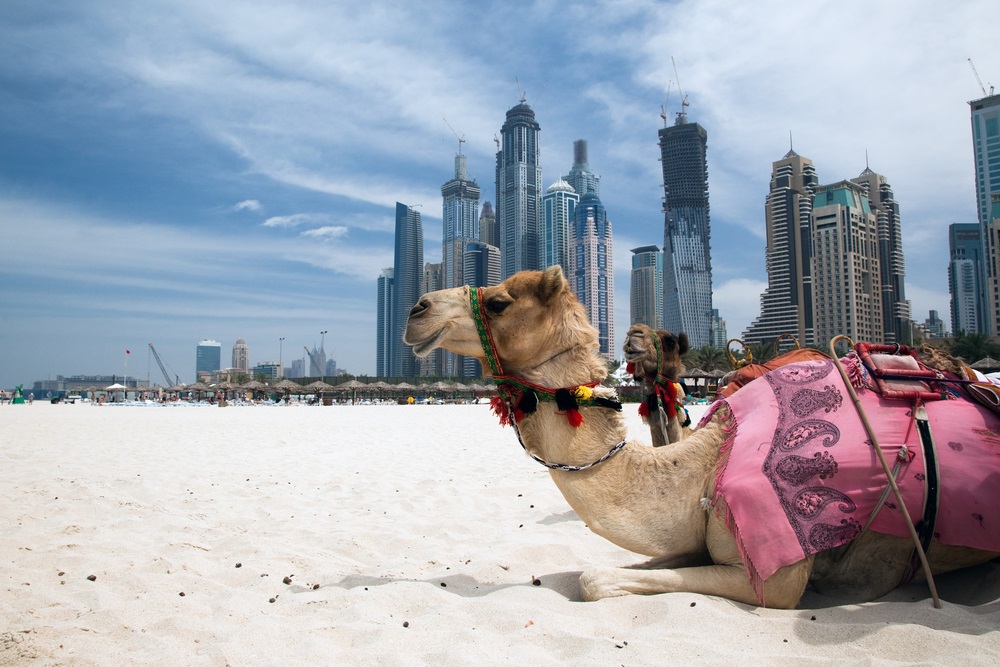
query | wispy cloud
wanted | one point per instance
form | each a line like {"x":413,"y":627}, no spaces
{"x":327,"y":232}
{"x":248,"y":205}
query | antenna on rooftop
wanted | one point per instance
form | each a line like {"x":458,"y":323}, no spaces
{"x":978,"y":80}
{"x":682,"y":114}
{"x":461,"y":138}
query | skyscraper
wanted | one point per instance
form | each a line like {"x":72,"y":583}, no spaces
{"x":460,"y":212}
{"x":461,"y":226}
{"x":408,"y":280}
{"x":786,"y":305}
{"x":208,"y":357}
{"x":434,"y":364}
{"x":559,"y":206}
{"x":847,"y":273}
{"x":519,"y":189}
{"x":986,"y":154}
{"x":965,"y":276}
{"x":383,"y":324}
{"x":895,"y":307}
{"x":580,"y":176}
{"x":687,"y":256}
{"x":482,"y":269}
{"x":241,"y":356}
{"x":591,"y":269}
{"x":488,"y":232}
{"x":646,"y":289}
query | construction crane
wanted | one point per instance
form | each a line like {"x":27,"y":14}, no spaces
{"x":163,"y":368}
{"x":666,"y":104}
{"x":682,"y":114}
{"x":316,"y":360}
{"x":461,"y":139}
{"x":978,"y":80}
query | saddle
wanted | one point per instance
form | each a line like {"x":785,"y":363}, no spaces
{"x":747,"y":373}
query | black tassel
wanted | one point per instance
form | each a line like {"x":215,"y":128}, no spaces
{"x":608,"y":403}
{"x":565,"y":401}
{"x":651,"y":403}
{"x":528,"y":403}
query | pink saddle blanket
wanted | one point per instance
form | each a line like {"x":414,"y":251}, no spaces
{"x":798,"y":475}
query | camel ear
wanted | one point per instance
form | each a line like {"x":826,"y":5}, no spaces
{"x":553,"y":283}
{"x":682,"y":342}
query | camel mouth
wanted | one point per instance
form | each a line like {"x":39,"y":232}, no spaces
{"x":633,"y":353}
{"x":424,"y":347}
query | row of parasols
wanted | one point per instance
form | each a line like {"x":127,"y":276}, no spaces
{"x":319,"y":387}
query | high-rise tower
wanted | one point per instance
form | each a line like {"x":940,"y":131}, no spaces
{"x":519,"y":189}
{"x":408,"y":280}
{"x":986,"y":157}
{"x":580,"y":176}
{"x":965,"y":273}
{"x":461,"y":227}
{"x":847,"y":274}
{"x":559,"y":209}
{"x":208,"y":358}
{"x":895,"y":307}
{"x":383,"y":324}
{"x":687,"y":257}
{"x":241,"y":356}
{"x":646,"y":289}
{"x":591,"y":269}
{"x":488,"y":232}
{"x":786,"y":304}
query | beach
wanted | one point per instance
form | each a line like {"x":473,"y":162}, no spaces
{"x":371,"y":535}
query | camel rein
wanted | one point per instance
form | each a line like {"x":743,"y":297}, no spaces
{"x":510,"y":387}
{"x":918,"y":546}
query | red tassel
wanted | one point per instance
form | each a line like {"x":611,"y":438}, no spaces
{"x":499,"y":408}
{"x":574,"y":417}
{"x":630,"y":367}
{"x":518,"y":414}
{"x":644,"y":411}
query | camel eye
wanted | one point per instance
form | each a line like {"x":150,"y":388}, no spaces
{"x":498,"y":305}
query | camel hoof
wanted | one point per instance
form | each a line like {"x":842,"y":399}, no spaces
{"x":600,"y":583}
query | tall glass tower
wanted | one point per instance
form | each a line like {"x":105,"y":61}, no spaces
{"x":408,"y":280}
{"x":580,"y":175}
{"x":646,"y":289}
{"x":461,"y":226}
{"x":786,"y":305}
{"x":208,"y":357}
{"x":519,"y":190}
{"x":687,"y":257}
{"x":986,"y":153}
{"x":965,"y":275}
{"x":895,"y":308}
{"x":591,"y":269}
{"x":383,"y":324}
{"x":559,"y":206}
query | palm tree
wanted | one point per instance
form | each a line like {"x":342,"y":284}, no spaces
{"x":706,"y":357}
{"x":973,"y":346}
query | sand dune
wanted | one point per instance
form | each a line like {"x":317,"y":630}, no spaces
{"x":390,"y":535}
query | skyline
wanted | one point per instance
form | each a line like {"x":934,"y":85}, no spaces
{"x":178,"y":172}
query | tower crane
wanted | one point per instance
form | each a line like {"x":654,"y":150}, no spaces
{"x":461,"y":139}
{"x":666,"y":104}
{"x":316,"y":360}
{"x":978,"y":80}
{"x":684,"y":100}
{"x":163,"y":369}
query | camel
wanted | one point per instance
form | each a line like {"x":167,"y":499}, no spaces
{"x":651,"y":501}
{"x":654,"y":357}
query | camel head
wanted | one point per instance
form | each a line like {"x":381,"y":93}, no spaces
{"x":640,"y":349}
{"x":539,"y":328}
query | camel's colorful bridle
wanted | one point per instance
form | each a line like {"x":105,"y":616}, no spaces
{"x":516,"y":397}
{"x":664,"y":388}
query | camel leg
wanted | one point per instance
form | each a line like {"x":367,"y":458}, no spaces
{"x":782,"y":590}
{"x":675,"y":432}
{"x":658,"y":427}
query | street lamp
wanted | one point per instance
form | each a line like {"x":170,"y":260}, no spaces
{"x":281,"y":368}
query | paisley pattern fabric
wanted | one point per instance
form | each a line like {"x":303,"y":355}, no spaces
{"x":798,"y":474}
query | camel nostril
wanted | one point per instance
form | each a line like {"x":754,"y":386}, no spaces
{"x":420,"y":307}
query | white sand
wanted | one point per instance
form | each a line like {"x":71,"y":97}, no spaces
{"x":423,"y":527}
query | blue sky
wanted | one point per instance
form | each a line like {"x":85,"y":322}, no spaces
{"x":177,"y":170}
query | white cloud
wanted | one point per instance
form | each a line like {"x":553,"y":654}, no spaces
{"x":248,"y":205}
{"x":294,"y":220}
{"x":327,"y":232}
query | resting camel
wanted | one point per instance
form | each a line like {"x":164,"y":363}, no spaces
{"x":534,"y":335}
{"x":654,"y":359}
